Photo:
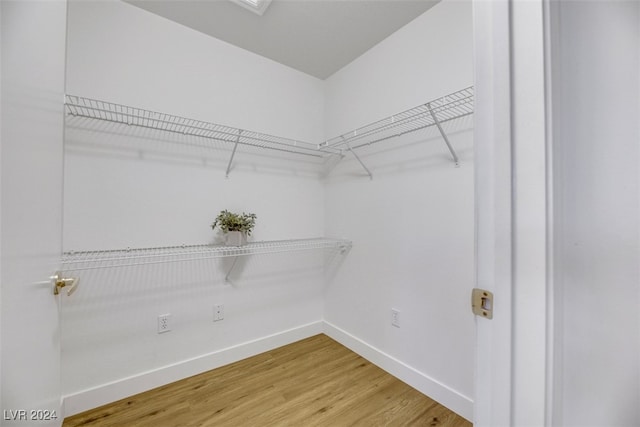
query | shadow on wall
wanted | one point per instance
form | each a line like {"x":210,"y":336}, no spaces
{"x":89,"y":137}
{"x":132,"y":284}
{"x":423,"y":150}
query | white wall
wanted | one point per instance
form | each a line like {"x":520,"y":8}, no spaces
{"x":596,"y":136}
{"x":181,"y":71}
{"x":412,"y":225}
{"x":132,"y":188}
{"x":156,"y":64}
{"x":137,"y":188}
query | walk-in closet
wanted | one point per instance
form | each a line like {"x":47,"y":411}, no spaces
{"x":449,"y":212}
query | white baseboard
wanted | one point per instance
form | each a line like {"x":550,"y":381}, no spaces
{"x":111,"y":392}
{"x":446,"y":396}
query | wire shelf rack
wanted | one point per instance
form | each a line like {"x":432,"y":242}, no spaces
{"x":434,"y":113}
{"x":447,"y":108}
{"x":91,"y":260}
{"x":117,"y":113}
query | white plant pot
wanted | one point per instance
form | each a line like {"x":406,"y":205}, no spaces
{"x":236,"y":238}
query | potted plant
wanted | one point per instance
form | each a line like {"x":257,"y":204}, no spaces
{"x":236,"y":227}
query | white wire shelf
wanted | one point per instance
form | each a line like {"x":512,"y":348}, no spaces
{"x":447,"y":108}
{"x":434,"y":113}
{"x":91,"y":260}
{"x":79,"y":106}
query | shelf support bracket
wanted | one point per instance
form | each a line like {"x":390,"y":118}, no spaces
{"x":444,"y":135}
{"x":226,"y":278}
{"x":233,"y":153}
{"x":358,"y":159}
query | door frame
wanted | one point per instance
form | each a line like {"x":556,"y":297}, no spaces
{"x":514,"y":234}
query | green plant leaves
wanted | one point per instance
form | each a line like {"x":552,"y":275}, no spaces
{"x":229,"y":221}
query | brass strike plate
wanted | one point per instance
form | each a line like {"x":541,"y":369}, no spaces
{"x":60,"y":282}
{"x":482,"y":303}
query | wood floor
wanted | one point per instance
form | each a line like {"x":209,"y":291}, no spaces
{"x":313,"y":382}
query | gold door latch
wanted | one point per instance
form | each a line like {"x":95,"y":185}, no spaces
{"x":482,"y":303}
{"x":62,"y":282}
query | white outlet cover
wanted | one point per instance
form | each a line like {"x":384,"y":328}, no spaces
{"x":395,"y":317}
{"x":164,"y":323}
{"x":218,"y":312}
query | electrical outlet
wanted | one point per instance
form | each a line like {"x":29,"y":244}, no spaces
{"x":218,"y":312}
{"x":164,"y":323}
{"x":395,"y":317}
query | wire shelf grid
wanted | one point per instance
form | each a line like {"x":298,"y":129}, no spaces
{"x":117,"y":113}
{"x":91,"y":260}
{"x":447,"y":108}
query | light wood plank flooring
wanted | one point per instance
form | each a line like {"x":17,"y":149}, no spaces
{"x":313,"y":382}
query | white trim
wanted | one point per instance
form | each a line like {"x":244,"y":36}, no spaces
{"x":1,"y":258}
{"x":493,"y":210}
{"x":120,"y":389}
{"x":530,"y":214}
{"x":446,"y":396}
{"x":553,"y":402}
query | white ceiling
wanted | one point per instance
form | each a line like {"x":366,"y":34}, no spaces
{"x":317,"y":37}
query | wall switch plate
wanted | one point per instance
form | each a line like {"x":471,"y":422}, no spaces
{"x":218,"y":312}
{"x":395,"y":317}
{"x":164,"y":323}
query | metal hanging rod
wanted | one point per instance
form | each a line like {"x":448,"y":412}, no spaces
{"x":91,"y":260}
